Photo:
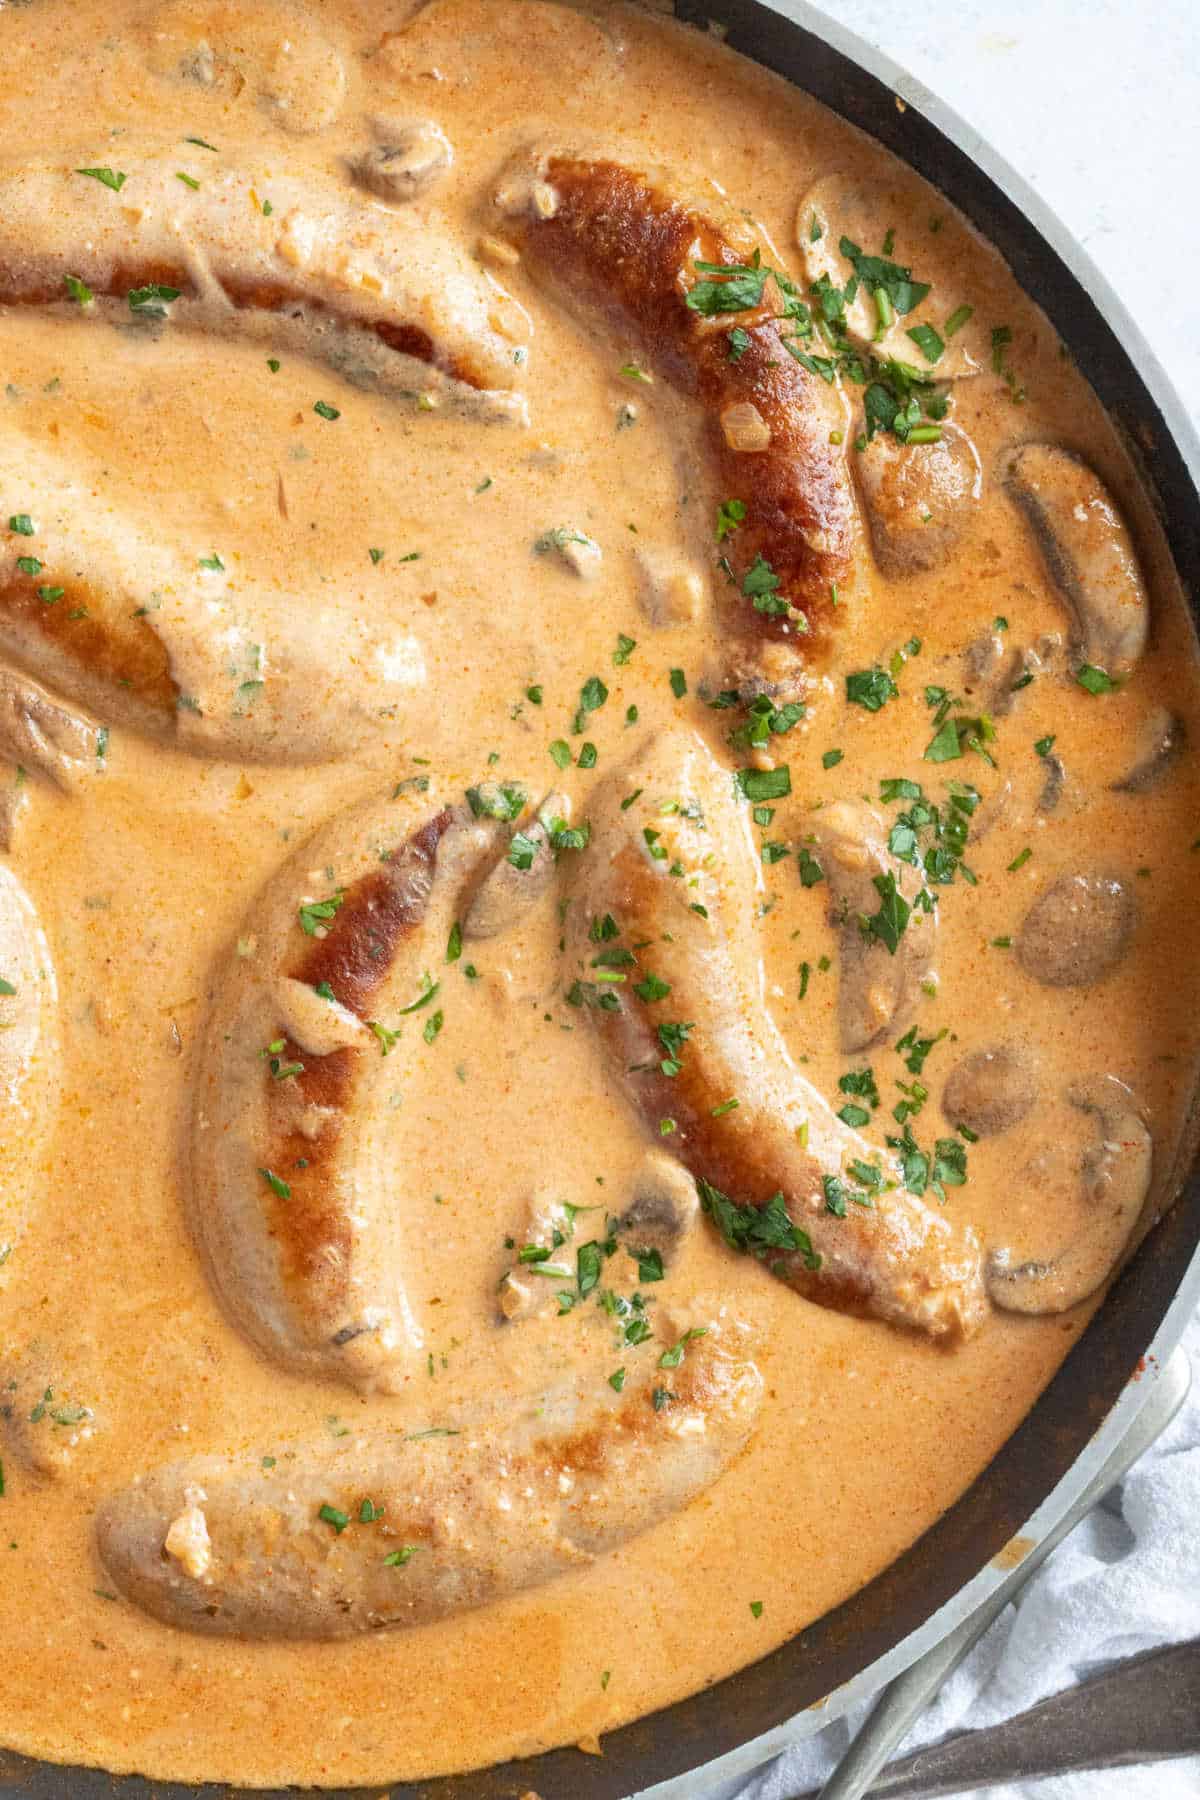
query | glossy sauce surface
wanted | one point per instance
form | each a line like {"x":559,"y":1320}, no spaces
{"x":444,"y":632}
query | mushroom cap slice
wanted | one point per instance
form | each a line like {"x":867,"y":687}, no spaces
{"x":408,"y":159}
{"x":45,"y":1418}
{"x":663,"y":1208}
{"x":293,"y":70}
{"x":1077,"y":931}
{"x":918,"y":498}
{"x":509,"y":889}
{"x":1159,"y":743}
{"x":39,"y":735}
{"x":878,"y":991}
{"x":1087,"y":550}
{"x":30,"y":1058}
{"x":1115,"y":1175}
{"x":990,"y":1091}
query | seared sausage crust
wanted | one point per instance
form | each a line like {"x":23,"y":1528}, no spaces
{"x":612,"y":243}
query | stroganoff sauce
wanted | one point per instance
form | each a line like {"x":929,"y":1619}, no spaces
{"x":458,"y":626}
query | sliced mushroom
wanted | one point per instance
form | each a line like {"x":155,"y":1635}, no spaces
{"x":844,"y":207}
{"x":990,"y":1091}
{"x":1160,"y":742}
{"x":992,"y":812}
{"x":44,"y":1421}
{"x":670,"y":588}
{"x":31,"y":1071}
{"x":579,"y":552}
{"x":1000,"y":673}
{"x":918,"y":497}
{"x":450,"y":41}
{"x":290,"y":67}
{"x":663,"y":1209}
{"x":509,"y":889}
{"x":1087,"y":551}
{"x":1115,"y":1177}
{"x":1053,"y":783}
{"x":408,"y":160}
{"x":531,"y":1285}
{"x":1077,"y":931}
{"x":987,"y":659}
{"x":878,"y":990}
{"x":41,"y":737}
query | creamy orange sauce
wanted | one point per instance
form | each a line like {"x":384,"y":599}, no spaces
{"x":462,"y":643}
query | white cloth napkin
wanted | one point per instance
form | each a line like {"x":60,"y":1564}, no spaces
{"x":1127,"y":1579}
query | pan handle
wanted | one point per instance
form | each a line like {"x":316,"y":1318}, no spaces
{"x":905,"y":1699}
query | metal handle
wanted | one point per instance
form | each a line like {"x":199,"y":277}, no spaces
{"x":905,"y":1699}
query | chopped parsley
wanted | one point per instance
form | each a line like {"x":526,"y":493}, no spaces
{"x":731,"y":287}
{"x":151,"y":302}
{"x":878,"y":275}
{"x":871,"y":689}
{"x":592,"y":696}
{"x":315,"y":914}
{"x":928,"y":342}
{"x":429,"y":988}
{"x":1096,"y":681}
{"x":760,"y":585}
{"x":754,"y":1230}
{"x":504,"y":800}
{"x":764,"y":784}
{"x":521,"y":851}
{"x":890,"y":922}
{"x":809,"y":868}
{"x":109,"y":178}
{"x":671,"y":1359}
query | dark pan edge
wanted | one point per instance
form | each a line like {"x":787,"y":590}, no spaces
{"x":839,"y":1646}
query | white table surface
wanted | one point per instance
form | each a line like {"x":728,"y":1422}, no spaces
{"x":1097,"y":104}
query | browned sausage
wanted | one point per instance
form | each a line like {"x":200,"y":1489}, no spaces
{"x":688,"y":1031}
{"x":614,"y":245}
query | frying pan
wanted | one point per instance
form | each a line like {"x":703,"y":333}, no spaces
{"x":884,"y":1626}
